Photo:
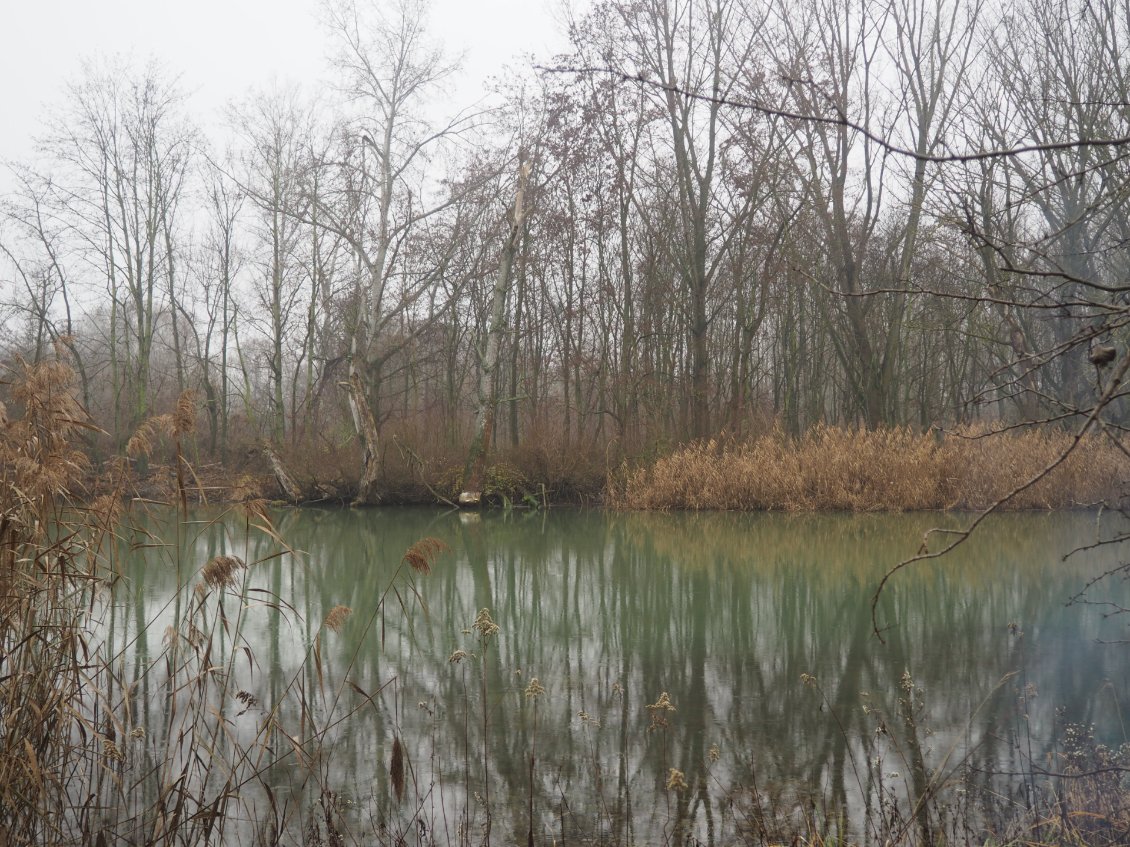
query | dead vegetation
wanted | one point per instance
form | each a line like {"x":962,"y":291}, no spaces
{"x":831,"y":468}
{"x":82,"y":758}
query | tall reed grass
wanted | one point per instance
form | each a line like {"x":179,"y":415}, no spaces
{"x":831,"y":468}
{"x":110,"y":742}
{"x":44,"y":582}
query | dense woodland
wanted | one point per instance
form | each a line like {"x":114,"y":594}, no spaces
{"x":710,"y":217}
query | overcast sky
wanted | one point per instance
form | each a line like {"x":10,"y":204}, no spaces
{"x":224,"y":47}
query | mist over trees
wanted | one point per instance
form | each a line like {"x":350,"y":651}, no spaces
{"x":739,"y":215}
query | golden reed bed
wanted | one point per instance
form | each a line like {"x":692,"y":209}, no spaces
{"x":831,"y":468}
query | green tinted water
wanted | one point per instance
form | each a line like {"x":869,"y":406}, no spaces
{"x":725,"y":613}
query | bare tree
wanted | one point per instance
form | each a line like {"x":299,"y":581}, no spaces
{"x":695,"y":46}
{"x":121,"y":146}
{"x":42,"y":255}
{"x":276,"y":133}
{"x":384,"y":193}
{"x":489,"y":352}
{"x":217,"y":265}
{"x":1052,"y":222}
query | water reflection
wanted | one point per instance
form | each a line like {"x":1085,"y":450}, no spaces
{"x":725,"y":613}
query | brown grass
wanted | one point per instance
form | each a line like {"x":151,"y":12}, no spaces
{"x":831,"y":468}
{"x":337,"y":617}
{"x":82,"y":761}
{"x":39,"y":469}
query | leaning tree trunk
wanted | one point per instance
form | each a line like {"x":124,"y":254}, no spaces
{"x":286,"y":482}
{"x":367,"y":431}
{"x":473,"y":471}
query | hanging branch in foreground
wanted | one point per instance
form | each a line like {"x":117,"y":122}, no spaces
{"x":964,"y":534}
{"x":839,"y":119}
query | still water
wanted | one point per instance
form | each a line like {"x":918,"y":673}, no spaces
{"x":758,"y":628}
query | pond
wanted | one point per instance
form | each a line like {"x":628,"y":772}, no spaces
{"x":785,"y":705}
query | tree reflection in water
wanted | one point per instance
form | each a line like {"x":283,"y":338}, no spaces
{"x":728,"y":614}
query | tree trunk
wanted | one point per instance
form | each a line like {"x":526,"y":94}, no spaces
{"x":285,"y":480}
{"x":367,"y":431}
{"x":484,"y":417}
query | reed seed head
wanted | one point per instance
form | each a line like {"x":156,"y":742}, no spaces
{"x":221,"y":571}
{"x":663,"y":704}
{"x":422,"y":555}
{"x":106,"y":509}
{"x":184,"y":418}
{"x":458,"y":656}
{"x":112,"y":751}
{"x":337,"y":617}
{"x":535,"y":689}
{"x":659,"y":710}
{"x":676,"y":780}
{"x":194,"y":636}
{"x":255,"y":509}
{"x":485,"y":626}
{"x":144,"y":439}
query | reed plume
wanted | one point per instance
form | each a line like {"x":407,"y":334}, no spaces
{"x":422,"y":555}
{"x":337,"y":617}
{"x":184,"y":416}
{"x":221,"y":571}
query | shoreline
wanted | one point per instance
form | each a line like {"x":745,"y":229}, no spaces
{"x":828,"y":470}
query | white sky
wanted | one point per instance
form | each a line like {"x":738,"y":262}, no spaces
{"x":223,"y":48}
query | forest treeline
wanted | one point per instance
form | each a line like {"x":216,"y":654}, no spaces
{"x":732,"y":217}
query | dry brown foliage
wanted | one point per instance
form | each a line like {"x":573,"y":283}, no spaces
{"x":423,"y":554}
{"x":831,"y":468}
{"x":81,"y":759}
{"x":337,"y":617}
{"x":40,"y":471}
{"x":179,"y":423}
{"x":221,"y":571}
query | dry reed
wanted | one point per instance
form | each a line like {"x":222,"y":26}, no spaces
{"x":41,"y":645}
{"x":837,"y":469}
{"x":86,"y":755}
{"x":221,"y":571}
{"x":337,"y":617}
{"x":421,"y":555}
